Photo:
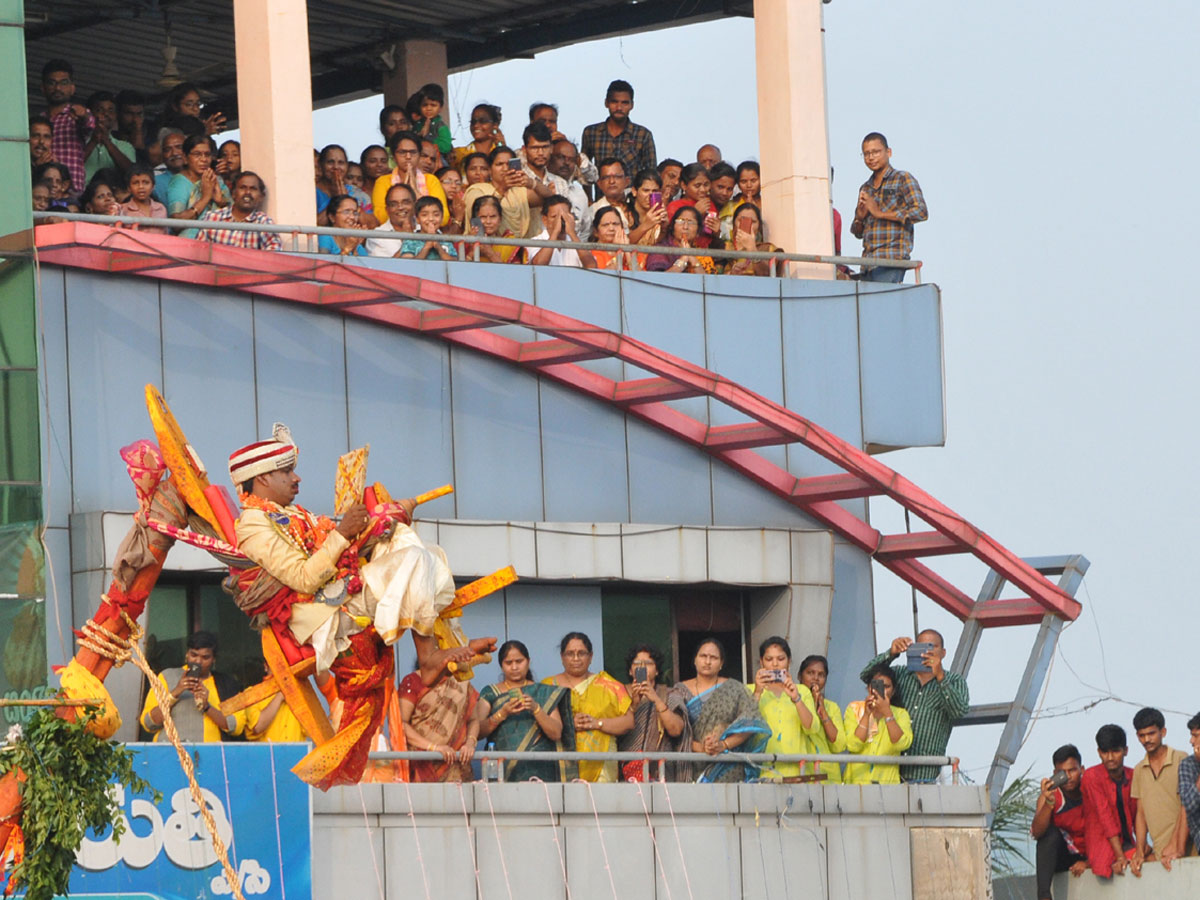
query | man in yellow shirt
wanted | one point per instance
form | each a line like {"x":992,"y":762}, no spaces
{"x":198,"y":718}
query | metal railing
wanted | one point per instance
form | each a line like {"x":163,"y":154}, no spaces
{"x":665,"y":756}
{"x":459,"y":240}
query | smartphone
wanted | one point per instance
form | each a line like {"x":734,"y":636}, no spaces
{"x":514,"y":165}
{"x":192,"y":671}
{"x":1058,"y":779}
{"x":745,"y":226}
{"x":477,"y":226}
{"x":879,"y":686}
{"x":639,"y":673}
{"x":913,"y":657}
{"x":777,"y":675}
{"x":656,"y":198}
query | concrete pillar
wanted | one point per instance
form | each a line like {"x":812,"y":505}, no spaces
{"x":275,"y":104}
{"x":417,"y":63}
{"x":793,"y":130}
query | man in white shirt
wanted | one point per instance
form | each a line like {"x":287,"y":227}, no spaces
{"x":565,"y":163}
{"x":559,"y":225}
{"x":400,"y":203}
{"x":614,"y":181}
{"x":536,"y":153}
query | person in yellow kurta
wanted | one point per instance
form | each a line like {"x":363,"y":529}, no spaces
{"x":877,"y":726}
{"x":786,"y":706}
{"x":273,"y":720}
{"x":600,"y":703}
{"x":195,"y":697}
{"x":829,"y":735}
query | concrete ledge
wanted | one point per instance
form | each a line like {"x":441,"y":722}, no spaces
{"x":1181,"y":883}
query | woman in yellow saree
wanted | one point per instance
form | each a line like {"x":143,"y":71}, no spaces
{"x":600,"y":704}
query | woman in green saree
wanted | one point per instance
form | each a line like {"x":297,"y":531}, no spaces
{"x":517,"y":714}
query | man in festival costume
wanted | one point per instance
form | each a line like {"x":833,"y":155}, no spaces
{"x":311,"y":581}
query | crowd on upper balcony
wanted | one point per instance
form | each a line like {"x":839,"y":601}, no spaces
{"x":611,"y":187}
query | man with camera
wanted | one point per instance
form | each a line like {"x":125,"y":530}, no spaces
{"x":1058,"y":824}
{"x":933,"y":696}
{"x":198,"y":717}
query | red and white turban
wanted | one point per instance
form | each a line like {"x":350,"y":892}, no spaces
{"x":263,"y":456}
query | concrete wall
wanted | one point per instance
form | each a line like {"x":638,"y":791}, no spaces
{"x":759,"y":842}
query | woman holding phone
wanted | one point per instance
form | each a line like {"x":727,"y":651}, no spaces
{"x":512,"y":187}
{"x":648,"y":214}
{"x":747,"y":234}
{"x":520,"y":715}
{"x":658,"y":718}
{"x":877,"y":726}
{"x":696,"y":186}
{"x":786,"y":706}
{"x":487,"y":221}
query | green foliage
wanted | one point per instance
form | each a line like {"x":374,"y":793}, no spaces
{"x":66,"y":794}
{"x":1010,"y":827}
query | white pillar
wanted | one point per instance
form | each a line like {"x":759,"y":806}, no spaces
{"x":275,"y":104}
{"x":793,"y":129}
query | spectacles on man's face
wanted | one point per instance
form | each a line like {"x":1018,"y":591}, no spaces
{"x":57,"y":82}
{"x":612,"y":177}
{"x":872,"y":154}
{"x":407,"y":152}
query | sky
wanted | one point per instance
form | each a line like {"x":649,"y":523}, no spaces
{"x":1043,"y":136}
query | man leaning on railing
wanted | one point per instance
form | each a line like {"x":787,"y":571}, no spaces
{"x":249,"y":191}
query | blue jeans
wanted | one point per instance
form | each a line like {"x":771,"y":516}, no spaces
{"x":886,"y":274}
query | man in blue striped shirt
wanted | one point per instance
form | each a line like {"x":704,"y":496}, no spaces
{"x":934,"y":699}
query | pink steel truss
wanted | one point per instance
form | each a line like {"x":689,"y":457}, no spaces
{"x":464,"y":317}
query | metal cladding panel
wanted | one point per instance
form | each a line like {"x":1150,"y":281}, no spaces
{"x":399,"y":390}
{"x":494,"y":278}
{"x":852,"y":621}
{"x":596,"y":301}
{"x":301,"y":381}
{"x":115,"y":349}
{"x":56,"y":441}
{"x":208,"y":359}
{"x":902,"y":377}
{"x":523,"y":858}
{"x":820,"y":370}
{"x":666,"y":310}
{"x":584,"y":470}
{"x":669,"y":481}
{"x":784,"y":856}
{"x":592,"y":852}
{"x":497,"y":445}
{"x":713,"y":858}
{"x":738,"y":501}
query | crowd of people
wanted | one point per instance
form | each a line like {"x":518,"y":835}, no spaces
{"x":103,"y":157}
{"x":1110,"y":818}
{"x":905,"y":710}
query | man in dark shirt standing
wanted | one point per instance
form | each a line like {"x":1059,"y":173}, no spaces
{"x":616,"y":136}
{"x":889,"y":202}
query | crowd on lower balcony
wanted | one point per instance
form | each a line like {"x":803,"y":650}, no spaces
{"x":611,"y":187}
{"x":905,"y":710}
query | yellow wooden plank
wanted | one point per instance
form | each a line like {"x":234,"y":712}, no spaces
{"x":298,"y":695}
{"x":264,"y":689}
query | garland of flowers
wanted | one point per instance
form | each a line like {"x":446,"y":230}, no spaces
{"x":307,"y":533}
{"x":66,"y":793}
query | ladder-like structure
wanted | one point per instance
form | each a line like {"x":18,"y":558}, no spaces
{"x":558,"y":345}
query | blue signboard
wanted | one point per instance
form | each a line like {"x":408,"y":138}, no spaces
{"x":263,"y":814}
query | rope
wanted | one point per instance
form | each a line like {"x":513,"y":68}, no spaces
{"x":600,"y":834}
{"x":562,"y":859}
{"x":370,"y":841}
{"x":462,"y":799}
{"x":105,"y":643}
{"x":654,"y":841}
{"x":278,"y":837}
{"x":499,"y":847}
{"x":416,"y":839}
{"x":678,"y":843}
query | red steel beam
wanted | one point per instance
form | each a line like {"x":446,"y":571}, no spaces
{"x":917,"y":544}
{"x":745,"y":436}
{"x":308,"y":280}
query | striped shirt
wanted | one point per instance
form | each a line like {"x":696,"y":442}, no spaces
{"x":897,"y":193}
{"x":1189,"y":794}
{"x":933,"y":709}
{"x":250,"y":240}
